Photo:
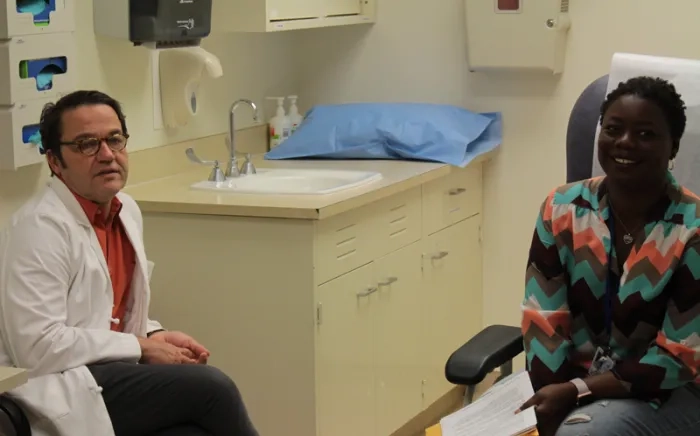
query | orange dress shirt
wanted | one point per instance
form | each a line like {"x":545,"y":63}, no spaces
{"x":118,"y":252}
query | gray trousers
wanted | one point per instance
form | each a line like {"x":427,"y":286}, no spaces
{"x":680,"y":416}
{"x":171,"y":400}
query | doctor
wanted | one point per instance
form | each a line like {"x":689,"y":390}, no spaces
{"x":74,"y":298}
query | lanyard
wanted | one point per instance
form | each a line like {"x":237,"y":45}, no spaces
{"x":612,"y":283}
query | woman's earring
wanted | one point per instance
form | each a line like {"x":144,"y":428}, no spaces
{"x":671,"y":164}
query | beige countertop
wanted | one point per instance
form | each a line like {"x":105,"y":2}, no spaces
{"x":173,"y":194}
{"x":11,"y":378}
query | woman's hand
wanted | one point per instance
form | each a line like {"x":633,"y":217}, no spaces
{"x":552,"y":404}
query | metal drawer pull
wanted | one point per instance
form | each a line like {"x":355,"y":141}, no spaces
{"x":368,"y":292}
{"x":457,"y":191}
{"x":440,"y":255}
{"x":389,"y":281}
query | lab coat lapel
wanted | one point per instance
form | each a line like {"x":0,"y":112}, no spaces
{"x":132,"y":231}
{"x":74,"y":208}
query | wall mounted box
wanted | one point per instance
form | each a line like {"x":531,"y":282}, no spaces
{"x":279,"y":15}
{"x":36,"y":17}
{"x":36,"y":66}
{"x":163,"y":22}
{"x":512,"y":35}
{"x":19,"y":130}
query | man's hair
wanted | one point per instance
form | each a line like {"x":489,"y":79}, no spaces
{"x":658,"y":91}
{"x":51,"y":124}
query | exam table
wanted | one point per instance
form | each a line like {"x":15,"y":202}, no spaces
{"x":498,"y":345}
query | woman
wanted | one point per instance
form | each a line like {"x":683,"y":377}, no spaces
{"x":611,"y":315}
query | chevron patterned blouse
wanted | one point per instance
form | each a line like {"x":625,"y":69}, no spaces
{"x":655,"y":329}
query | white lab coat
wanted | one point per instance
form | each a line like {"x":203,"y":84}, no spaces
{"x":56,"y":310}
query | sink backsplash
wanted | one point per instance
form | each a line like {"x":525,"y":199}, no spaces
{"x":155,"y":163}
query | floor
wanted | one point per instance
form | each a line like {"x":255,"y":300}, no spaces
{"x":450,"y":403}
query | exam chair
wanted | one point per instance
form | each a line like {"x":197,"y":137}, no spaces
{"x":498,"y":345}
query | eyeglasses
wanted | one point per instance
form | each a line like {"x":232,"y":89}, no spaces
{"x":90,"y":146}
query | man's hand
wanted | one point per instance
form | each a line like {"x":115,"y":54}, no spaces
{"x":552,"y":404}
{"x":192,"y":348}
{"x":158,"y":352}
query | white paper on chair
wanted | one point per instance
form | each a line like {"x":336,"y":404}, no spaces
{"x":493,"y":414}
{"x":685,"y":76}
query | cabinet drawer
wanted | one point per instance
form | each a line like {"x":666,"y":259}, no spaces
{"x":451,"y":199}
{"x":398,"y":221}
{"x":343,"y":243}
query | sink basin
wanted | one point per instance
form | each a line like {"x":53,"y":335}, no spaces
{"x":292,"y":182}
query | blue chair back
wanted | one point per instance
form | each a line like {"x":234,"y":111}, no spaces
{"x":580,"y":134}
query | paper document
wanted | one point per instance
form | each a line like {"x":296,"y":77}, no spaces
{"x":493,"y":414}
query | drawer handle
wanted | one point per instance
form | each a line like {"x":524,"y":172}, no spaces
{"x":457,"y":191}
{"x":367,"y":292}
{"x":389,"y":281}
{"x":440,"y":255}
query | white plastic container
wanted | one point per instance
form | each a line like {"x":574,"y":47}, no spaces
{"x":35,"y":17}
{"x":294,"y":117}
{"x":19,"y":126}
{"x":279,"y":125}
{"x":37,"y":67}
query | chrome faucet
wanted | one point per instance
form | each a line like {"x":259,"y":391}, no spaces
{"x":232,"y":169}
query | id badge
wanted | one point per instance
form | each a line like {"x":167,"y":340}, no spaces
{"x":602,"y":362}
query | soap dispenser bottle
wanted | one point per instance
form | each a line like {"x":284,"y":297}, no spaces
{"x":294,"y":117}
{"x":279,"y":125}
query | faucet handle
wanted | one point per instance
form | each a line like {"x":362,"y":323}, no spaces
{"x":194,"y":158}
{"x":216,"y":174}
{"x":248,"y":167}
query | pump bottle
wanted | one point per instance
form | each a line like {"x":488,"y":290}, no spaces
{"x":294,"y":117}
{"x":279,"y":125}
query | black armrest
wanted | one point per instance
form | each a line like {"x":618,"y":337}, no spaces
{"x":11,"y":413}
{"x":491,"y":348}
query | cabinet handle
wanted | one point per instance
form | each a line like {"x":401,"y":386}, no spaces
{"x":440,"y":255}
{"x":389,"y":281}
{"x":367,"y":292}
{"x":457,"y":191}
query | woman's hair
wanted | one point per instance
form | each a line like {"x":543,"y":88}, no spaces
{"x":656,"y":90}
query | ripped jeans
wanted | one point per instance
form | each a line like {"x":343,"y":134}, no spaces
{"x":680,"y":416}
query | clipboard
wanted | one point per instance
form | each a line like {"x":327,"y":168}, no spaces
{"x":437,"y":431}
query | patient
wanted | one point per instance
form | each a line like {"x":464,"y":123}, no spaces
{"x":612,"y":302}
{"x":74,"y":298}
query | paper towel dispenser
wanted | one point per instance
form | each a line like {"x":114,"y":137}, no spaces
{"x":160,"y":23}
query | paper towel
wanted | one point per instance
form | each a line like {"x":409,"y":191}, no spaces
{"x":685,"y":76}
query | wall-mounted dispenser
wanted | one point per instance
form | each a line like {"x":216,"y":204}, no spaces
{"x":37,"y":66}
{"x":517,"y":34}
{"x":163,"y":23}
{"x":181,"y":70}
{"x":35,"y":17}
{"x":173,"y":31}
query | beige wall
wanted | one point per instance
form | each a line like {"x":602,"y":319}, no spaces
{"x":416,"y":53}
{"x":252,"y":69}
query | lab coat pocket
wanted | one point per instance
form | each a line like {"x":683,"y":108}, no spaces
{"x":58,"y":404}
{"x":46,"y":398}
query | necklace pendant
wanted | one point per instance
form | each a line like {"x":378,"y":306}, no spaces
{"x":627,"y":239}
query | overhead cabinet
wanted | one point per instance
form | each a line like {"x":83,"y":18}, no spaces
{"x":279,"y":15}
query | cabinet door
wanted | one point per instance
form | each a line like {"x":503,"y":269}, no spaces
{"x":344,"y":356}
{"x":396,"y":313}
{"x":292,"y":9}
{"x":452,"y":299}
{"x":341,"y":7}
